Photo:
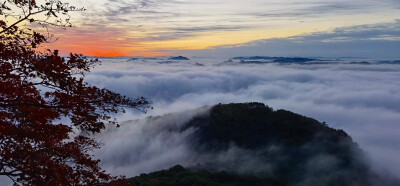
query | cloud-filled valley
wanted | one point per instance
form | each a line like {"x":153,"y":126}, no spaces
{"x":211,"y":92}
{"x":361,"y":99}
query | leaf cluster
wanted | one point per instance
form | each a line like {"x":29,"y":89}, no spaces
{"x":47,"y":110}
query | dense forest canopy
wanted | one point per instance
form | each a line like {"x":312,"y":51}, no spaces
{"x":252,"y":144}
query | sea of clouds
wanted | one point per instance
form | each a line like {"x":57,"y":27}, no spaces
{"x":364,"y":100}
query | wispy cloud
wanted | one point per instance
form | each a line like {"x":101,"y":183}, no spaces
{"x":179,"y":24}
{"x":370,"y":41}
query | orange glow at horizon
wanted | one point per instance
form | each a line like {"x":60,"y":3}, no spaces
{"x":102,"y":52}
{"x":109,"y":41}
{"x":113,"y":43}
{"x":103,"y":43}
{"x":132,"y":28}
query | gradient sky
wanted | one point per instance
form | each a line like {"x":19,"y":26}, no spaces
{"x":172,"y":27}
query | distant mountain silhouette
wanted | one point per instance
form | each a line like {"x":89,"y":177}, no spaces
{"x":179,"y":58}
{"x":254,"y":58}
{"x":267,"y":59}
{"x":396,"y":62}
{"x":360,"y":63}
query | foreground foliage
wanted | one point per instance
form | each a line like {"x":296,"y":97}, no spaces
{"x":47,"y":110}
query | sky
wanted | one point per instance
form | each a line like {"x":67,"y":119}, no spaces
{"x":205,"y":27}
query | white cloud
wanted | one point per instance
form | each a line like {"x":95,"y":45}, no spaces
{"x":361,"y":99}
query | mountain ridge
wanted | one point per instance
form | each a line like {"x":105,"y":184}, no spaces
{"x":245,"y":141}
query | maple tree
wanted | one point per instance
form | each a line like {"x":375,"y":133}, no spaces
{"x":48,"y":113}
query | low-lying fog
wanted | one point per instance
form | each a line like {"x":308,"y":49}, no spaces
{"x":363,"y":99}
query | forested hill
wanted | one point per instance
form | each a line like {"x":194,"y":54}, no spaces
{"x":254,"y":125}
{"x":179,"y":176}
{"x":251,"y":144}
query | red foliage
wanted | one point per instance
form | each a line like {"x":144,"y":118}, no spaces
{"x":36,"y":91}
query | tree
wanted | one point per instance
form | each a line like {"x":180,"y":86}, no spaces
{"x":48,"y":113}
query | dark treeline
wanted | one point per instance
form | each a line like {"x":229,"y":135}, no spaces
{"x":179,"y":176}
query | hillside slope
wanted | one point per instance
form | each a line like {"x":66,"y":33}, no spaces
{"x":251,"y":144}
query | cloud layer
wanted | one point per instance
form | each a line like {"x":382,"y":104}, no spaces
{"x":364,"y":100}
{"x":361,"y":99}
